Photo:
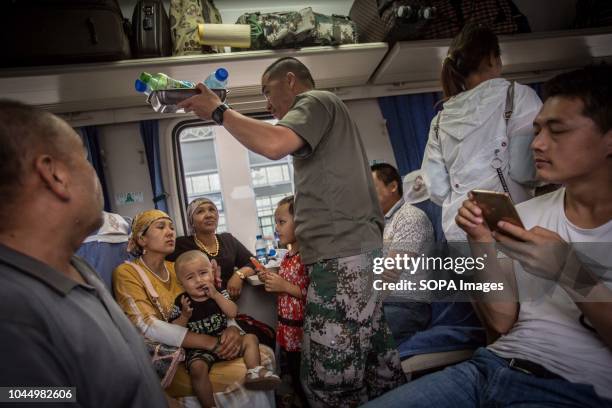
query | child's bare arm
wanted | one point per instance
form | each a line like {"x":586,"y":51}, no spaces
{"x":294,"y":290}
{"x":186,"y":311}
{"x":181,"y":320}
{"x":276,"y":284}
{"x":229,"y":308}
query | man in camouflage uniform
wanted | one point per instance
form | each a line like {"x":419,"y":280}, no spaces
{"x":348,"y":353}
{"x":346,"y":339}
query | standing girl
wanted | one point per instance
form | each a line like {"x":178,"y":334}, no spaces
{"x":291,"y":284}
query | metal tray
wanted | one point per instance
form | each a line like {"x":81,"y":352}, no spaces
{"x":166,"y":100}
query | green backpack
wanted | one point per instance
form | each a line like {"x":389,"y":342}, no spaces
{"x":185,"y":15}
{"x":294,"y":29}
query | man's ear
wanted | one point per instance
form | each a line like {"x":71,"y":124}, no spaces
{"x":393,"y":186}
{"x":54,"y":175}
{"x":291,"y":79}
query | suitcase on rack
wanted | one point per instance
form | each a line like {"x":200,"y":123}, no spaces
{"x":150,"y":30}
{"x":46,"y":32}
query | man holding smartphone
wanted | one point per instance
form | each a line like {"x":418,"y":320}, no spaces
{"x":556,"y":345}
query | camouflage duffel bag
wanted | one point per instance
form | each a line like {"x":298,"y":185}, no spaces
{"x":293,"y":29}
{"x":185,"y":15}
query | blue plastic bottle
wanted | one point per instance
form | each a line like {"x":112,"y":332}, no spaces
{"x":270,"y":249}
{"x":217,"y":79}
{"x":260,"y":249}
{"x":142,"y":87}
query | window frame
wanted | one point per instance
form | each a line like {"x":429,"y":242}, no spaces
{"x":179,"y":169}
{"x":286,"y":161}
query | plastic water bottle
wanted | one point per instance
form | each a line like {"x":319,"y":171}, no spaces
{"x":160,"y":82}
{"x":260,"y":249}
{"x":217,"y":79}
{"x":142,"y":87}
{"x":164,"y":93}
{"x":271,"y":249}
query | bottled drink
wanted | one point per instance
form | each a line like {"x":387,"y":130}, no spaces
{"x":260,"y":249}
{"x":217,"y":79}
{"x":164,"y":93}
{"x":142,"y":87}
{"x":159,"y":82}
{"x":271,"y":249}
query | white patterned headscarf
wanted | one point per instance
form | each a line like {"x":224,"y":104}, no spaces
{"x":191,"y":209}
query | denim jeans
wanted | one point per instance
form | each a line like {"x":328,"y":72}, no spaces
{"x":487,"y":381}
{"x":406,"y":318}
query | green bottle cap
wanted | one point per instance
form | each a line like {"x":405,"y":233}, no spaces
{"x":145,"y":77}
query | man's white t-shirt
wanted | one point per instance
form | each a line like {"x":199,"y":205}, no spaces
{"x":549,"y":331}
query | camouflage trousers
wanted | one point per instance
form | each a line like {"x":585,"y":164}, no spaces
{"x":348,"y":352}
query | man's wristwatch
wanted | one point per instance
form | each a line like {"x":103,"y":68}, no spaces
{"x":241,"y":275}
{"x":217,"y":114}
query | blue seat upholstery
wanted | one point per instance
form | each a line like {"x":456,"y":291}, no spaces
{"x":104,"y":257}
{"x":454,"y":325}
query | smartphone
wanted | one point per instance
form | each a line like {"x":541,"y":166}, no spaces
{"x":258,"y":266}
{"x":496,"y":207}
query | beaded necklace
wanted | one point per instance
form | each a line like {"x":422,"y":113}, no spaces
{"x":200,"y":245}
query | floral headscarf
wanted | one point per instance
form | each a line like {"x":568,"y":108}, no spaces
{"x":191,"y":209}
{"x":139,"y":226}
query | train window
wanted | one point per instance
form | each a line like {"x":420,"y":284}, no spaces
{"x":272,"y":180}
{"x":200,"y":169}
{"x":211,"y":163}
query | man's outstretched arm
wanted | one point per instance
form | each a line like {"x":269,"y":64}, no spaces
{"x":273,"y":142}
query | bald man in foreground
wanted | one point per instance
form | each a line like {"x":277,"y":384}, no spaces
{"x":59,"y":326}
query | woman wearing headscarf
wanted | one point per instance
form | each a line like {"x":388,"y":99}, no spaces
{"x":152,"y":239}
{"x":230,"y":254}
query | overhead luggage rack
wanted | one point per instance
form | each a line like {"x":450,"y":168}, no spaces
{"x":354,"y":71}
{"x":99,"y":86}
{"x":529,"y":57}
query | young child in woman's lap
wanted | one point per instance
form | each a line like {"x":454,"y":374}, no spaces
{"x":291,"y":284}
{"x":204,"y":310}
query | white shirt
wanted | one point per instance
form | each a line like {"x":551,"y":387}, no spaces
{"x":472,"y":127}
{"x":548,"y":330}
